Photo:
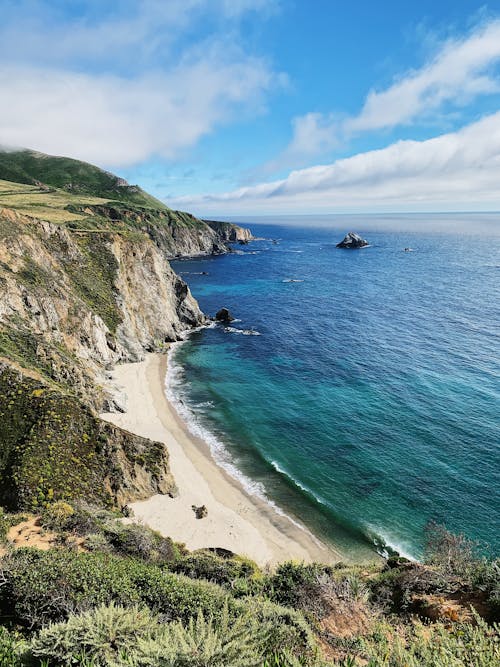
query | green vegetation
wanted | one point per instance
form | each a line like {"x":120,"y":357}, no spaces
{"x":94,"y":278}
{"x":80,"y":178}
{"x":123,"y":602}
{"x":55,"y":448}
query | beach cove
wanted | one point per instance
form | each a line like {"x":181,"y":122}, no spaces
{"x":236,"y":521}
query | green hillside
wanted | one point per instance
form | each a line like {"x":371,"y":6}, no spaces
{"x":79,"y":178}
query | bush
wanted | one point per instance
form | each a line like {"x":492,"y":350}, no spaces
{"x":11,"y":644}
{"x":418,"y":645}
{"x":114,"y":635}
{"x":293,"y":584}
{"x":202,"y":643}
{"x":57,"y":516}
{"x":44,"y":586}
{"x":140,"y":542}
{"x":100,"y":635}
{"x":204,"y":564}
{"x":453,"y":554}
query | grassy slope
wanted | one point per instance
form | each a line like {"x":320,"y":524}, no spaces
{"x":81,"y":178}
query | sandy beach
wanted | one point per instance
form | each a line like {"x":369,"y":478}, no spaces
{"x":236,"y":520}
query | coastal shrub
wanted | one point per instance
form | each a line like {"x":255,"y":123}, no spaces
{"x":141,"y":542}
{"x":113,"y":635}
{"x":11,"y":645}
{"x":100,"y":634}
{"x":97,"y":542}
{"x":44,"y":586}
{"x":288,"y":628}
{"x":436,"y":645}
{"x":203,"y":643}
{"x":224,"y":571}
{"x":293,"y":584}
{"x":57,"y":516}
{"x":453,"y":554}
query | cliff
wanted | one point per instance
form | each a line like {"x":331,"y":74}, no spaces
{"x":85,"y":284}
{"x":229,"y":232}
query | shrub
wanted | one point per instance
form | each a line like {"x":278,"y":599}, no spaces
{"x":202,"y":643}
{"x":294,"y":583}
{"x":288,"y":628}
{"x":453,"y":554}
{"x":462,"y":645}
{"x":11,"y":644}
{"x":97,"y":542}
{"x":57,"y":516}
{"x":140,"y":542}
{"x":44,"y":586}
{"x":115,"y":635}
{"x":100,"y":635}
{"x":204,"y":564}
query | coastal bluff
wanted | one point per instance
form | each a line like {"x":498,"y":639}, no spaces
{"x":86,"y":284}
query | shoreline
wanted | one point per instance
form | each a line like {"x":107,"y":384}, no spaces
{"x":236,"y":520}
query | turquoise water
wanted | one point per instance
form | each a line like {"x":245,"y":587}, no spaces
{"x":369,"y":403}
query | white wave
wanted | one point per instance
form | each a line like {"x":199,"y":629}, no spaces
{"x":298,"y":484}
{"x":174,"y":381}
{"x":386,"y":543}
{"x":292,"y":280}
{"x":245,"y":332}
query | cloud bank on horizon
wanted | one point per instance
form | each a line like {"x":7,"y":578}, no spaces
{"x":147,"y":87}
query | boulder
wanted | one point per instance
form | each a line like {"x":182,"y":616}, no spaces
{"x":223,"y":315}
{"x":200,"y":512}
{"x":352,"y":240}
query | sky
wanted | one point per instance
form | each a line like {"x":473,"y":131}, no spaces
{"x":264,"y":107}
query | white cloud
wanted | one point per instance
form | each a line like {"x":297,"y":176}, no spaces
{"x":452,"y":171}
{"x":126,"y":83}
{"x":114,"y":121}
{"x":457,"y":74}
{"x":461,"y":70}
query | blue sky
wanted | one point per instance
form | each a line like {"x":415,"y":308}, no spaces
{"x":228,"y":107}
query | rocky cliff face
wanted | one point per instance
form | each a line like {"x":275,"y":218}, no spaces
{"x":176,"y":233}
{"x":74,"y":303}
{"x":85,"y":283}
{"x":54,"y":446}
{"x":229,"y":232}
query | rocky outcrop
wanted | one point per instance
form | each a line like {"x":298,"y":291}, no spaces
{"x":229,"y":232}
{"x":224,"y":315}
{"x":352,"y":240}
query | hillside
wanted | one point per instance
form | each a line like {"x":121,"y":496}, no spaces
{"x":74,"y":176}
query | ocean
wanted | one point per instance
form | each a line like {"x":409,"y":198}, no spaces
{"x":362,"y":399}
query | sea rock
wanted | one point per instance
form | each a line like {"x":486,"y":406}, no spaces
{"x":200,"y":512}
{"x":352,"y":240}
{"x":223,"y":315}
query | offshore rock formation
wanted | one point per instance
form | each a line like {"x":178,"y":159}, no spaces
{"x":352,"y":240}
{"x":85,"y":283}
{"x":224,"y":315}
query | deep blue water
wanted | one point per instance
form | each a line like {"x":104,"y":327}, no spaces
{"x":369,"y":403}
